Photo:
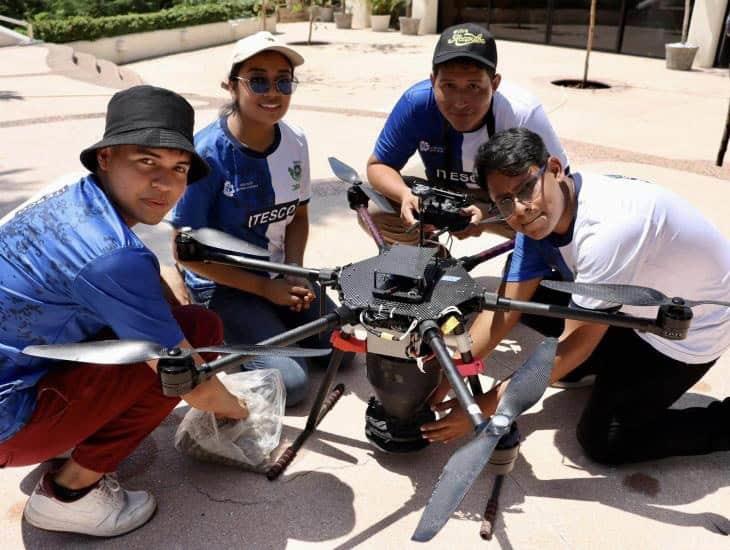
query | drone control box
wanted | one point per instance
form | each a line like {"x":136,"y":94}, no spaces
{"x":407,"y":280}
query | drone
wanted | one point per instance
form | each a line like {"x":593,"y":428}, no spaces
{"x":412,"y":304}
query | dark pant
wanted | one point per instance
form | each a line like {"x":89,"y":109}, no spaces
{"x":104,"y":412}
{"x":627,"y":417}
{"x":248,"y":319}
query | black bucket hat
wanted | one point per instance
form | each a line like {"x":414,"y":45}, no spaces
{"x":151,"y":117}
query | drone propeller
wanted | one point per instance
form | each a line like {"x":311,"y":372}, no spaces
{"x":122,"y":352}
{"x":223,"y":241}
{"x":348,"y":175}
{"x":625,"y":294}
{"x":524,"y":390}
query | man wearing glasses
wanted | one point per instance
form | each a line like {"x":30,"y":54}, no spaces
{"x":445,"y":119}
{"x":609,"y":229}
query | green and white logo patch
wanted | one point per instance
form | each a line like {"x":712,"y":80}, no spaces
{"x":462,"y":37}
{"x":295,"y":171}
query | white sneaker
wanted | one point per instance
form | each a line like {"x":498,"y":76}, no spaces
{"x":106,"y":511}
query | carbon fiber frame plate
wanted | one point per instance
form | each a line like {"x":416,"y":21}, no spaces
{"x":454,"y":287}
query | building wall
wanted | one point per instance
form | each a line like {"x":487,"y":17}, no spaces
{"x":623,"y":26}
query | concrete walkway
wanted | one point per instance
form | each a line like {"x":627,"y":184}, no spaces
{"x":653,"y":123}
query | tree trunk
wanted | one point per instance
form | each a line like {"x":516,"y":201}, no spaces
{"x":589,"y":42}
{"x":685,"y":22}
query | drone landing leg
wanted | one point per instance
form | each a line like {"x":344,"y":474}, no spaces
{"x":490,"y":514}
{"x":324,"y":401}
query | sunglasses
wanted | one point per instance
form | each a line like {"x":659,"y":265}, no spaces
{"x":526,"y":194}
{"x":261,"y":85}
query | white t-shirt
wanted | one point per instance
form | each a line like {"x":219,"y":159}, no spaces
{"x":629,"y":231}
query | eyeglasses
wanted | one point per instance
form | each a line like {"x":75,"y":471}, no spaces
{"x":526,"y":194}
{"x":261,"y":85}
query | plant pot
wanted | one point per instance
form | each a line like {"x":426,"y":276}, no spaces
{"x":343,"y":20}
{"x":326,"y":14}
{"x":409,"y":25}
{"x":680,"y":56}
{"x":380,"y":23}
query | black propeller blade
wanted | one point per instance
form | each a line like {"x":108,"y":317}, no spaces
{"x":122,"y":352}
{"x":223,"y":241}
{"x":524,"y":390}
{"x":625,"y":294}
{"x":348,"y":175}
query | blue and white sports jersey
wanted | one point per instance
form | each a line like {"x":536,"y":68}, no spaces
{"x":416,"y":124}
{"x":70,"y":266}
{"x":250,"y":195}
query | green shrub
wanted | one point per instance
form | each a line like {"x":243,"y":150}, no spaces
{"x":90,"y":28}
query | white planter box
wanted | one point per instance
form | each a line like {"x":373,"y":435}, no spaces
{"x":142,"y":45}
{"x":380,"y":23}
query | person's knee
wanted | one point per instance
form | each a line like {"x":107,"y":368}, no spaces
{"x":201,"y":326}
{"x":603,"y":444}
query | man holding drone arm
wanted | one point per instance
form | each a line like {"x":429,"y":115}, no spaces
{"x":617,"y":230}
{"x":72,"y":270}
{"x":445,"y":119}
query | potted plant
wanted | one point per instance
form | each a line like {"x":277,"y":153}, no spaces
{"x":409,"y":24}
{"x":326,"y":10}
{"x":343,"y":18}
{"x":681,"y":55}
{"x":380,"y":12}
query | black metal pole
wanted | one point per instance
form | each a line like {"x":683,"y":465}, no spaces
{"x":495,"y":302}
{"x":338,"y":317}
{"x":470,"y":262}
{"x":262,"y":265}
{"x":431,"y":335}
{"x":375,"y":233}
{"x":316,"y":413}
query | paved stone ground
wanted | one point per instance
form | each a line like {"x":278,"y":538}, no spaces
{"x":657,"y":124}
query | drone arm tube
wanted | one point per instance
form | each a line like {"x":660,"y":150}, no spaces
{"x":562,"y":312}
{"x":229,"y":276}
{"x":340,"y":316}
{"x":431,"y":335}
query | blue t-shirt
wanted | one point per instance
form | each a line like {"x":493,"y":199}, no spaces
{"x":416,"y":124}
{"x":248,"y":194}
{"x":70,"y":266}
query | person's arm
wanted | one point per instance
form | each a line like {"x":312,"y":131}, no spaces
{"x":388,"y":181}
{"x":490,"y":327}
{"x":578,"y":340}
{"x":295,"y":241}
{"x":122,"y":290}
{"x":278,"y":291}
{"x":212,"y":395}
{"x":173,"y":286}
{"x":396,"y":143}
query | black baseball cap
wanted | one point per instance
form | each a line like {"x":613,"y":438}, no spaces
{"x":151,"y":117}
{"x":466,"y":40}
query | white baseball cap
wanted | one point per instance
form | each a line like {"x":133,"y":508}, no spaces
{"x":260,"y":42}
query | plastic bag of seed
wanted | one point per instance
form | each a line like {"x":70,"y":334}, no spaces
{"x":246,"y":443}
